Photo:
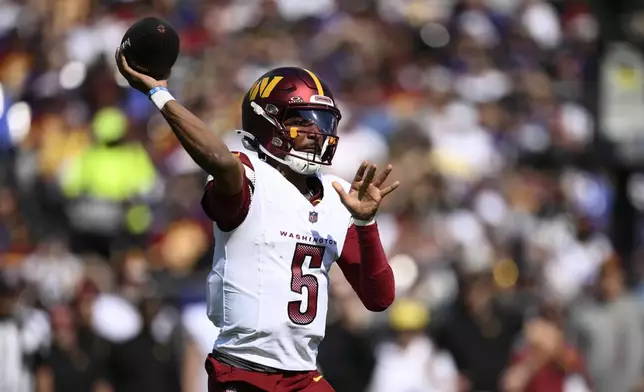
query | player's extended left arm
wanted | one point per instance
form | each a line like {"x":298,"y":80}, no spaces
{"x":364,"y":264}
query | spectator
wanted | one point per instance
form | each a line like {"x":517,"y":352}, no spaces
{"x":24,"y":337}
{"x":346,"y":355}
{"x":149,"y":361}
{"x":105,"y":185}
{"x":53,"y":271}
{"x":547,"y":362}
{"x":479,"y":334}
{"x":69,"y":366}
{"x":411,"y":362}
{"x":614,"y":352}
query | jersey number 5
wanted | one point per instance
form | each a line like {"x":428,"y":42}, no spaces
{"x":313,"y":255}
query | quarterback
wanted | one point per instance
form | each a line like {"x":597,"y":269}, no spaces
{"x":279,"y":225}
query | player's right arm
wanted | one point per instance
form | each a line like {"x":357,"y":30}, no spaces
{"x":230,"y":210}
{"x":206,"y":148}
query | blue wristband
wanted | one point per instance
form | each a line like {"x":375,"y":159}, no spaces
{"x":154,"y":90}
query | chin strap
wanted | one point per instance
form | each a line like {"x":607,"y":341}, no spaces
{"x":300,"y":164}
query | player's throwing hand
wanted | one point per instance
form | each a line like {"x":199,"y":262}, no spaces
{"x":137,"y":80}
{"x":366,"y":191}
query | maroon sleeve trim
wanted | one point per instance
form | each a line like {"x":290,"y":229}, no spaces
{"x":228,"y":211}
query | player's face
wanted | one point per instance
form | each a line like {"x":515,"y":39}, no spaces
{"x":310,"y":129}
{"x":309,"y":138}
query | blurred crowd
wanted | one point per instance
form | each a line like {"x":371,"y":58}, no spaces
{"x":500,"y":235}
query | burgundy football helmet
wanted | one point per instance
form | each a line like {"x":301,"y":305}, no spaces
{"x":283,"y":104}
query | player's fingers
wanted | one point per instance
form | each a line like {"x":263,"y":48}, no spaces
{"x":368,"y":179}
{"x":360,"y":173}
{"x":126,"y":67}
{"x":383,"y":176}
{"x":119,"y":64}
{"x":389,"y":189}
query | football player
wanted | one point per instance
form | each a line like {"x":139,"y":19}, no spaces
{"x":279,"y":226}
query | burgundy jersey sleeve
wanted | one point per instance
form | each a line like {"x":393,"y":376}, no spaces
{"x":229,"y":211}
{"x":364,"y":264}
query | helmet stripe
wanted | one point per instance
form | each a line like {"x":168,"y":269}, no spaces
{"x":318,"y":85}
{"x":253,"y":91}
{"x":269,"y":89}
{"x":262,"y":86}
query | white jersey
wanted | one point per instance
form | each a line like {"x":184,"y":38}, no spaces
{"x":268,"y":288}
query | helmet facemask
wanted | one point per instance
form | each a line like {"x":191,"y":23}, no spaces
{"x":319,"y":125}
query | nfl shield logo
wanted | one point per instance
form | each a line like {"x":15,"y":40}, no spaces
{"x":313,"y":216}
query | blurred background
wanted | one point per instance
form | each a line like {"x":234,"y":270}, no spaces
{"x":516,"y":128}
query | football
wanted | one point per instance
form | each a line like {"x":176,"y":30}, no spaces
{"x":151,"y":46}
